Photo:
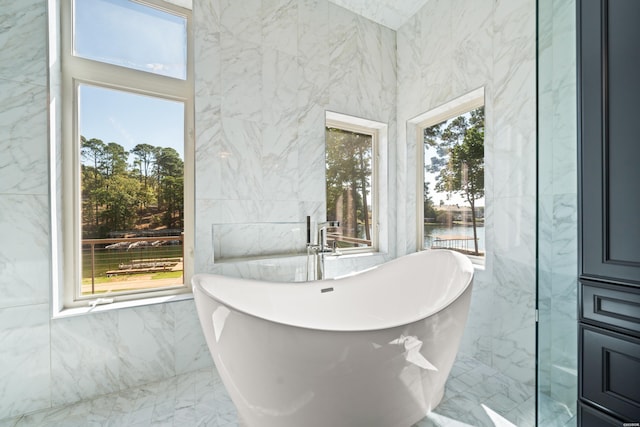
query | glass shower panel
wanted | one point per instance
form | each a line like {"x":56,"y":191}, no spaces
{"x":557,"y":219}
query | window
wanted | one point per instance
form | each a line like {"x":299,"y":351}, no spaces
{"x":451,"y":142}
{"x":127,"y":150}
{"x":351,"y":182}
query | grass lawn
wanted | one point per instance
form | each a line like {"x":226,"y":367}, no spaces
{"x":130,"y":277}
{"x":108,"y":260}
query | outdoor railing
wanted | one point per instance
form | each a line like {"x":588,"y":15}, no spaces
{"x":348,"y":239}
{"x":106,"y":258}
{"x":456,"y":243}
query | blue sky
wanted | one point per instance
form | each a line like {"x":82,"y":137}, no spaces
{"x":125,"y":33}
{"x":131,"y":119}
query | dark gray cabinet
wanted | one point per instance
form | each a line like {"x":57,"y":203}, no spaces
{"x":590,"y":417}
{"x":609,"y":211}
{"x":609,"y":113}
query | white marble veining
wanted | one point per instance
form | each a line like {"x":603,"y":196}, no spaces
{"x":24,"y":255}
{"x":23,"y":41}
{"x":209,"y":152}
{"x":25,"y":259}
{"x":279,"y":22}
{"x":84,"y":357}
{"x":311,"y":156}
{"x":25,"y":371}
{"x":241,"y":164}
{"x":280,"y":80}
{"x":190,"y":348}
{"x":477,"y":339}
{"x":145,"y":345}
{"x":23,"y":126}
{"x":241,"y":78}
{"x":313,"y":33}
{"x":242,"y":20}
{"x":89,"y":359}
{"x":472,"y":26}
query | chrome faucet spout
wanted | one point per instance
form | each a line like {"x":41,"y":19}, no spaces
{"x":322,"y":235}
{"x":320,"y":248}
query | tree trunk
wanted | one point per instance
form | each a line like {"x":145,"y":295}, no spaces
{"x":472,"y":202}
{"x":365,"y":208}
{"x":354,"y":196}
{"x":350,"y":220}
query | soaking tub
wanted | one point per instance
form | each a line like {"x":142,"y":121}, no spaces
{"x":371,"y":349}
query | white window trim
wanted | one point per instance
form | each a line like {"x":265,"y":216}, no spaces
{"x":449,"y":110}
{"x":379,"y":177}
{"x":75,"y":71}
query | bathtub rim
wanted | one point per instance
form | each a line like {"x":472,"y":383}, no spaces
{"x":319,"y":284}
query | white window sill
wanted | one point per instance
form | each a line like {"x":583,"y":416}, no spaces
{"x":101,"y":308}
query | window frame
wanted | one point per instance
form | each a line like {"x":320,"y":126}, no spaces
{"x":373,"y":129}
{"x":447,"y":111}
{"x":76,"y":71}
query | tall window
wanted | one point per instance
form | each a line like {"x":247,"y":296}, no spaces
{"x":351,"y":185}
{"x":128,"y":151}
{"x":452,"y":189}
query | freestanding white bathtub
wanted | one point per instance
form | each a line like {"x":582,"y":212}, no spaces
{"x":372,"y":349}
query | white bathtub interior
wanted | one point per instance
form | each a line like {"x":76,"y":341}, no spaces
{"x":372,"y":300}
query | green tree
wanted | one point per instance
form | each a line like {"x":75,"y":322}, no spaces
{"x":428,"y":209}
{"x":120,"y":201}
{"x":116,"y":194}
{"x":92,"y":154}
{"x":145,"y":155}
{"x":348,"y":176}
{"x":115,"y":159}
{"x":460,"y":162}
{"x":170,"y":175}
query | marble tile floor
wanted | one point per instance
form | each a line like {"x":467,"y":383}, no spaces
{"x":476,"y":395}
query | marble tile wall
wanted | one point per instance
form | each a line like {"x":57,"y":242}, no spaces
{"x":106,"y":352}
{"x":270,"y":71}
{"x":24,"y":218}
{"x":446,"y":50}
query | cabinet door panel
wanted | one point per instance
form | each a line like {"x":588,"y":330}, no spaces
{"x":589,"y":417}
{"x":611,"y":306}
{"x":610,"y":141}
{"x":610,"y":371}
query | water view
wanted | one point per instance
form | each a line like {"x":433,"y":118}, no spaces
{"x":456,"y":236}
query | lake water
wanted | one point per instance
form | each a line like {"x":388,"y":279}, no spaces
{"x":431,"y":231}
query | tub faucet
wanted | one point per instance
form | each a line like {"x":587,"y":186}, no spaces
{"x":322,"y":236}
{"x":316,"y":251}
